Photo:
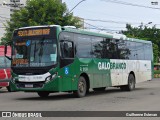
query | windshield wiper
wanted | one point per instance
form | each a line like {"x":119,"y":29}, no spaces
{"x":41,"y":49}
{"x":34,"y":51}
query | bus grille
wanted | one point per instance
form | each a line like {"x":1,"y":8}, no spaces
{"x":34,"y":85}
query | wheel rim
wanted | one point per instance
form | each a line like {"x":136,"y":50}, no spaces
{"x":131,"y":83}
{"x":81,"y":87}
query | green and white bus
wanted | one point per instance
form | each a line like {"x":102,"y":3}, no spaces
{"x":47,"y":59}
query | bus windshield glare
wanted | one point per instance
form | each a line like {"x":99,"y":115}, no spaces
{"x":37,"y":52}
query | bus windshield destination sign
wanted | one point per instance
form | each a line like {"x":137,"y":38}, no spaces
{"x":36,"y":32}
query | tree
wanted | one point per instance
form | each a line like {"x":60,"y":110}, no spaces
{"x":145,"y":33}
{"x":39,"y":12}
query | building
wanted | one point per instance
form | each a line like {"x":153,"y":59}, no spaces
{"x":16,"y":4}
{"x":6,"y":9}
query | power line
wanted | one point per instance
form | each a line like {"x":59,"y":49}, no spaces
{"x":4,"y":17}
{"x":110,"y":21}
{"x":3,"y":21}
{"x":131,"y":4}
{"x":98,"y":28}
{"x":5,"y":7}
{"x":91,"y":25}
{"x":117,"y":22}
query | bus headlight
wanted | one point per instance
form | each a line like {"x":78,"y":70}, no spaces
{"x":49,"y":78}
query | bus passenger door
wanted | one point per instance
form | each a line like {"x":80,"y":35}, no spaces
{"x":66,"y":60}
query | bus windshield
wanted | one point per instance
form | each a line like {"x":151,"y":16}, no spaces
{"x":37,"y":52}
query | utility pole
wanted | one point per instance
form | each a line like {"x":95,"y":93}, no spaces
{"x":82,"y":20}
{"x":76,"y":6}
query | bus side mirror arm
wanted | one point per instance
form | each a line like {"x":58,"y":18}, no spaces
{"x":8,"y":57}
{"x":5,"y":52}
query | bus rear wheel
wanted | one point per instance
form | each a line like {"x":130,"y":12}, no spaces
{"x":82,"y":87}
{"x":43,"y":94}
{"x":131,"y":84}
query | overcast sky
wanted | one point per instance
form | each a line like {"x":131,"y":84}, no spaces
{"x":106,"y":10}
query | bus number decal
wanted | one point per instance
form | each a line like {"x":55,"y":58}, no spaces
{"x":84,"y":68}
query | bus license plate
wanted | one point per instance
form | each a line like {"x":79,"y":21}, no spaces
{"x":29,"y":85}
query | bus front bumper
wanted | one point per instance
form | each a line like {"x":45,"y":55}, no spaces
{"x":51,"y":86}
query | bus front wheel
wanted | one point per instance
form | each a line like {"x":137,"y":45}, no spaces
{"x":82,"y":87}
{"x":43,"y":94}
{"x":9,"y":89}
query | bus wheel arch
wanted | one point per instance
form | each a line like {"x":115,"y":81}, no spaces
{"x":130,"y":82}
{"x":87,"y":80}
{"x":133,"y":75}
{"x":83,"y":86}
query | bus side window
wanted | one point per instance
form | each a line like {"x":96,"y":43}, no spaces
{"x":67,"y":49}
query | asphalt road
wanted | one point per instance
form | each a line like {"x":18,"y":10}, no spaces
{"x":146,"y":97}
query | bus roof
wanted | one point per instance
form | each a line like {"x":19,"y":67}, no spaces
{"x":103,"y":34}
{"x":38,"y":27}
{"x":89,"y":32}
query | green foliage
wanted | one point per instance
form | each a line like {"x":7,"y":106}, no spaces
{"x":156,"y":71}
{"x":155,"y":53}
{"x":39,"y":12}
{"x":145,"y":33}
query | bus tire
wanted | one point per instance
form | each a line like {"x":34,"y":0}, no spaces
{"x":43,"y":94}
{"x":82,"y":88}
{"x":99,"y":89}
{"x":0,"y":87}
{"x":9,"y":89}
{"x":131,"y":83}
